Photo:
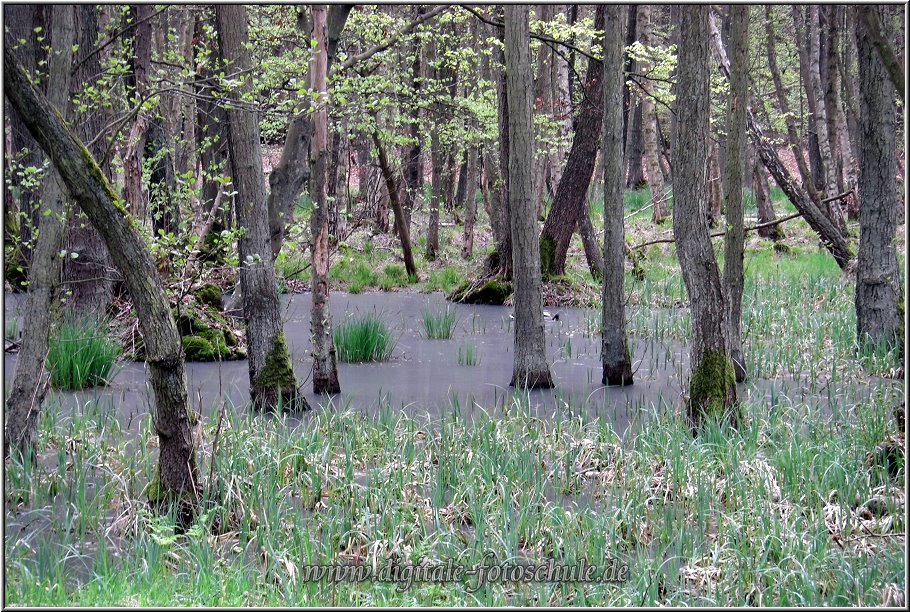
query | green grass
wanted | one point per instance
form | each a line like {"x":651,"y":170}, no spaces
{"x":443,"y":279}
{"x":439,"y":324}
{"x":81,"y":352}
{"x":11,"y":331}
{"x":468,"y":355}
{"x":363,"y":338}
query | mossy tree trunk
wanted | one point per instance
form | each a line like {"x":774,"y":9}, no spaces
{"x":89,"y":188}
{"x":734,"y":162}
{"x":272,"y":381}
{"x":530,"y":366}
{"x":712,"y":389}
{"x":30,"y":378}
{"x":325,"y":369}
{"x":879,"y":295}
{"x":617,"y":366}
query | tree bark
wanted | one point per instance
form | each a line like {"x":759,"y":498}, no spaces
{"x":879,"y":295}
{"x":712,"y":388}
{"x":734,"y":239}
{"x":634,"y":152}
{"x":649,"y":126}
{"x":571,"y":195}
{"x":714,"y":195}
{"x":87,"y":185}
{"x":272,"y":381}
{"x":138,"y":83}
{"x":401,"y":222}
{"x":30,"y":379}
{"x":504,"y":246}
{"x":530,"y":367}
{"x":763,"y":201}
{"x":467,"y":247}
{"x":870,"y":23}
{"x":325,"y":369}
{"x":614,"y":353}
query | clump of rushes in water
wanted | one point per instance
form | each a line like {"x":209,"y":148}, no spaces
{"x":363,"y":338}
{"x":81,"y":352}
{"x":439,"y":324}
{"x":468,"y":355}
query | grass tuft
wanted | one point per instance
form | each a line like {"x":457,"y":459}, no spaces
{"x":439,"y":324}
{"x":81,"y":352}
{"x":363,"y":338}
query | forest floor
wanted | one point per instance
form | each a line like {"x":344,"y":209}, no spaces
{"x":803,"y":505}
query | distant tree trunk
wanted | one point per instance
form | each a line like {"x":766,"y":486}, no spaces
{"x":467,"y":247}
{"x":879,"y":295}
{"x":614,"y":353}
{"x":438,"y":184}
{"x":712,"y":388}
{"x":841,"y":136}
{"x":272,"y":381}
{"x":332,"y":198}
{"x":530,"y":368}
{"x":89,"y":276}
{"x":593,"y":254}
{"x":401,"y":223}
{"x":763,"y":201}
{"x":649,"y":126}
{"x":177,"y":474}
{"x":634,"y":154}
{"x":138,"y":85}
{"x":571,"y":195}
{"x":325,"y":370}
{"x":504,"y":246}
{"x":30,"y":378}
{"x":543,"y":105}
{"x":792,"y":132}
{"x":833,"y":240}
{"x":714,"y":187}
{"x":562,"y":107}
{"x":734,"y":239}
{"x":163,"y":207}
{"x":629,"y":67}
{"x":821,"y":122}
{"x":802,"y":47}
{"x":413,"y":158}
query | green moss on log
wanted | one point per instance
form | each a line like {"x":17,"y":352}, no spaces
{"x":277,"y":373}
{"x":493,"y":291}
{"x":210,"y":295}
{"x":712,"y":390}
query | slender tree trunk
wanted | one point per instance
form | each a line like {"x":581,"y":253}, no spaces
{"x":87,"y":185}
{"x":734,"y":239}
{"x":413,"y":161}
{"x":401,"y":223}
{"x":325,"y":370}
{"x":571,"y":195}
{"x":714,"y":194}
{"x":712,"y":388}
{"x":438,"y":184}
{"x":530,"y":369}
{"x":635,"y":147}
{"x":802,"y":46}
{"x":504,"y":246}
{"x":562,"y":107}
{"x":138,"y":81}
{"x":30,"y":379}
{"x":272,"y":381}
{"x":821,"y":122}
{"x":649,"y":126}
{"x":467,"y":248}
{"x":543,"y":105}
{"x":614,"y":353}
{"x":879,"y":294}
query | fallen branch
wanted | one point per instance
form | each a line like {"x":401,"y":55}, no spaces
{"x":719,"y":234}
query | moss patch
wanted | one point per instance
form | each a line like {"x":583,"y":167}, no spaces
{"x":277,"y":372}
{"x":493,"y":291}
{"x":210,"y":295}
{"x":712,"y":390}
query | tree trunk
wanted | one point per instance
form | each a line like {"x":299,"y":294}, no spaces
{"x":504,"y":246}
{"x":833,"y":240}
{"x":325,"y":370}
{"x":614,"y":353}
{"x":870,"y":24}
{"x":714,"y":195}
{"x":802,"y":48}
{"x":530,"y":368}
{"x":649,"y":126}
{"x":840,"y":137}
{"x":467,"y":247}
{"x":543,"y":105}
{"x":593,"y":255}
{"x":30,"y":379}
{"x":712,"y":389}
{"x":413,"y":159}
{"x":562,"y":107}
{"x":272,"y":382}
{"x":571,"y":195}
{"x":635,"y":148}
{"x":138,"y":86}
{"x":820,"y":122}
{"x":879,"y":295}
{"x":734,"y":239}
{"x":401,"y":223}
{"x":89,"y":276}
{"x":438,"y":184}
{"x":86,"y":184}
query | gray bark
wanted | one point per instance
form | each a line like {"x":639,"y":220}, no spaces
{"x":617,"y":366}
{"x":271,"y":375}
{"x":89,"y":188}
{"x":30,"y":379}
{"x":734,"y":239}
{"x":530,"y":368}
{"x":879,"y":294}
{"x":649,"y":125}
{"x":467,"y":247}
{"x":712,"y":389}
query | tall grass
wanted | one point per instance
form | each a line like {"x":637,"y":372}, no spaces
{"x":439,"y":324}
{"x":81,"y":352}
{"x":363,"y":338}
